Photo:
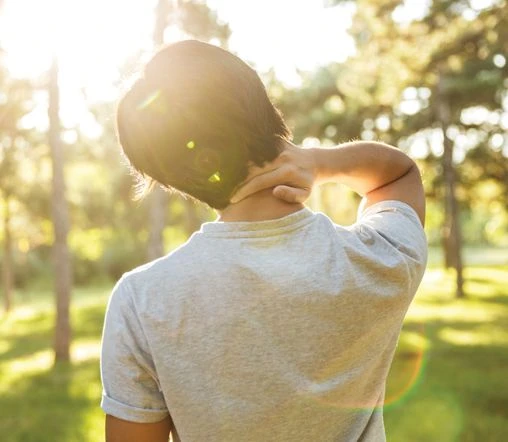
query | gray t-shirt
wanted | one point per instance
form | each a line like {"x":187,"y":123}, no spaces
{"x":279,"y":330}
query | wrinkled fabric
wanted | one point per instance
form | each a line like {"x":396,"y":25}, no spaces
{"x":277,"y":330}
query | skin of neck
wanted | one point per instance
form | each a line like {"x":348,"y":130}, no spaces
{"x":260,"y":206}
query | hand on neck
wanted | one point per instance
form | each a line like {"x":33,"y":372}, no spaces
{"x":260,"y":206}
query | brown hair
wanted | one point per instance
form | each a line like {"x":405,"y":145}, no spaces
{"x":196,"y":119}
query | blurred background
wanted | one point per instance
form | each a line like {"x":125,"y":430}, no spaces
{"x":429,"y":76}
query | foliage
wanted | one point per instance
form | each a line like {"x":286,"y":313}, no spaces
{"x":405,"y":67}
{"x":387,"y":91}
{"x":109,"y":230}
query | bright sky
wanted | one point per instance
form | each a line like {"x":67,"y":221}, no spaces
{"x":94,"y":37}
{"x":287,"y":34}
{"x":91,"y":37}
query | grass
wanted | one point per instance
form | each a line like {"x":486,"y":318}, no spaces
{"x":39,"y":402}
{"x":448,"y":381}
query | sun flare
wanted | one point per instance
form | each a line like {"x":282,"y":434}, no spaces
{"x":91,"y":39}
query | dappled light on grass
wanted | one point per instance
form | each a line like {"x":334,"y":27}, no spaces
{"x":58,"y":404}
{"x":483,"y":288}
{"x":459,"y":393}
{"x":26,"y":345}
{"x":40,"y":401}
{"x":458,"y":310}
{"x":85,"y":350}
{"x":29,"y":365}
{"x":480,"y":335}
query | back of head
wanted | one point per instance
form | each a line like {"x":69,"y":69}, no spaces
{"x":196,"y":119}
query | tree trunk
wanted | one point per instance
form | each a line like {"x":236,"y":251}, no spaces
{"x":158,"y":200}
{"x":7,"y":264}
{"x":452,"y":237}
{"x":61,"y":255}
{"x":192,"y":219}
{"x":157,"y":218}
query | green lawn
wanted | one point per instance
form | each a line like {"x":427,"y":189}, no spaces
{"x":449,"y":381}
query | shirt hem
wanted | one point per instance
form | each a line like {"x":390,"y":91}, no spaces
{"x":130,"y":413}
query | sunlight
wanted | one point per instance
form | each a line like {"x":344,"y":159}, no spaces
{"x":295,"y":35}
{"x":93,"y":45}
{"x":461,"y":312}
{"x":486,"y":335}
{"x":88,"y":38}
{"x":29,"y":365}
{"x":84,"y":350}
{"x":91,"y":41}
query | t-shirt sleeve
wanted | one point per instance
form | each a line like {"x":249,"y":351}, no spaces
{"x":398,"y":227}
{"x":130,"y":385}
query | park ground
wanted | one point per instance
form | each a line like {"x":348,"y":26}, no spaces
{"x":448,"y":381}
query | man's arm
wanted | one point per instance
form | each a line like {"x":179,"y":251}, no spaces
{"x":132,"y":400}
{"x":376,"y":171}
{"x":118,"y":430}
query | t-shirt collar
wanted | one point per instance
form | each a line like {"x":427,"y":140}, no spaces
{"x":276,"y":226}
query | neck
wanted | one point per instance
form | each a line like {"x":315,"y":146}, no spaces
{"x":260,"y":206}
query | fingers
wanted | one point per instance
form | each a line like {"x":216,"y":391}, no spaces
{"x":254,"y":171}
{"x":291,"y":171}
{"x":270,"y":178}
{"x":291,"y":194}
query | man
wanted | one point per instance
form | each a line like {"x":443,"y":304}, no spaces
{"x":272,"y":323}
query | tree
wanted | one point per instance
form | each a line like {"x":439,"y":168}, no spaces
{"x":7,"y":261}
{"x":463,"y":76}
{"x":444,"y":62}
{"x":12,"y":109}
{"x":7,"y":165}
{"x":61,"y":254}
{"x":452,"y":232}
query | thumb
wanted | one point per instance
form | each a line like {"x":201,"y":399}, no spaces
{"x":291,"y":194}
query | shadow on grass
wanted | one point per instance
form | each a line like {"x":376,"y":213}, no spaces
{"x":35,"y":333}
{"x":58,"y":405}
{"x":457,"y":391}
{"x":31,"y":335}
{"x":90,"y":321}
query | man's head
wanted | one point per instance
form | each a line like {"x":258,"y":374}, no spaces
{"x":195,"y":121}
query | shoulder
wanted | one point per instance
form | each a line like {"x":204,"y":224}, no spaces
{"x":397,"y":223}
{"x":140,"y":289}
{"x":391,"y":233}
{"x":165,"y":268}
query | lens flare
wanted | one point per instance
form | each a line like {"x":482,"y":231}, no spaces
{"x":408,"y":366}
{"x":153,"y":102}
{"x":215,"y":178}
{"x":405,"y":374}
